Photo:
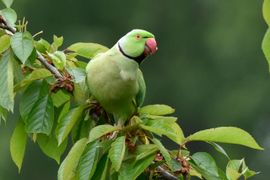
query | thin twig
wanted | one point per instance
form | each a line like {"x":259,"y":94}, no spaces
{"x":47,"y":65}
{"x":42,"y":59}
{"x":165,"y":174}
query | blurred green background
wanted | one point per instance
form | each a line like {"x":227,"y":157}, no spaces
{"x":209,"y":66}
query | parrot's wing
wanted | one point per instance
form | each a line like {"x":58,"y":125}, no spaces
{"x":142,"y":89}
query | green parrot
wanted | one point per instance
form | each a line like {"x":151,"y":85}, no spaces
{"x":114,"y":77}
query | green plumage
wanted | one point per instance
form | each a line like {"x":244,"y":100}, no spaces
{"x":115,"y":80}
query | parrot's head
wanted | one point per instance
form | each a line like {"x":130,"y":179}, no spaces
{"x":137,"y":45}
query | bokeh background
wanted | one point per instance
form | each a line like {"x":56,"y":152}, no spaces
{"x":209,"y":66}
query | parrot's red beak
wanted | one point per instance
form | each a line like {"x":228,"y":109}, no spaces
{"x":150,"y":47}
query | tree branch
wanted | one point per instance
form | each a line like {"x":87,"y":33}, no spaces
{"x":8,"y":28}
{"x":165,"y":174}
{"x":51,"y":68}
{"x":42,"y":59}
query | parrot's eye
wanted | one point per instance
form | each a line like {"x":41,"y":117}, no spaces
{"x":138,"y":37}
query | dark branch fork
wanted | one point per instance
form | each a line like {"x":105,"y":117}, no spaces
{"x":4,"y":25}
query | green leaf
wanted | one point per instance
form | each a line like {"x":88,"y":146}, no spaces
{"x":131,"y":170}
{"x":193,"y":172}
{"x":29,"y":98}
{"x":219,"y":149}
{"x":64,"y":111}
{"x":266,"y":10}
{"x":81,"y":92}
{"x":2,"y":32}
{"x":42,"y":45}
{"x":165,"y":127}
{"x":165,"y":154}
{"x":7,"y":3}
{"x":266,"y":46}
{"x":222,"y":175}
{"x":78,"y":74}
{"x":176,"y":165}
{"x":105,"y":145}
{"x":117,"y":152}
{"x":67,"y":122}
{"x":142,"y":151}
{"x":237,"y":168}
{"x":18,"y":74}
{"x":88,"y":161}
{"x":156,"y":109}
{"x":102,"y":172}
{"x":68,"y":167}
{"x":82,"y":128}
{"x":59,"y":59}
{"x":49,"y":146}
{"x":80,"y":64}
{"x":101,"y":130}
{"x":60,"y":97}
{"x":17,"y":144}
{"x":41,"y":117}
{"x":4,"y":43}
{"x":231,"y":135}
{"x":234,"y":169}
{"x":3,"y":114}
{"x":9,"y":15}
{"x":249,"y":173}
{"x":36,"y":74}
{"x":170,"y":119}
{"x":6,"y":81}
{"x":22,"y":45}
{"x":205,"y":165}
{"x":36,"y":108}
{"x":31,"y":61}
{"x":57,"y":42}
{"x":87,"y":50}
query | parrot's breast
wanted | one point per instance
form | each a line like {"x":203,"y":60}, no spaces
{"x":113,"y":82}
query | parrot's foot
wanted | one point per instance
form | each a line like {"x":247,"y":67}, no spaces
{"x":96,"y":109}
{"x":97,"y":112}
